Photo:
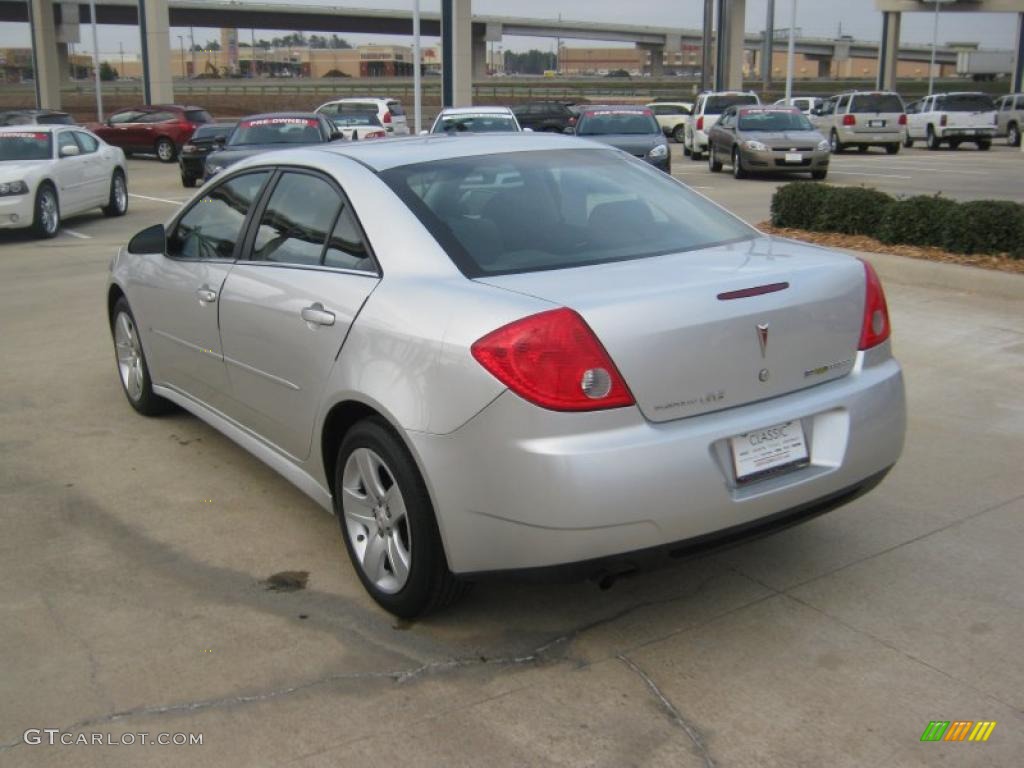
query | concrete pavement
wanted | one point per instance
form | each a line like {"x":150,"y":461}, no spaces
{"x":134,"y":552}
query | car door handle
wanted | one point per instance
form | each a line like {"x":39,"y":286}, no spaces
{"x":206,"y":295}
{"x":315,"y":314}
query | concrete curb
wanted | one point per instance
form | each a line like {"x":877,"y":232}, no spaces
{"x":937,"y":274}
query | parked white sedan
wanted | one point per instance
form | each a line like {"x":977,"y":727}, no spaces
{"x":52,"y":171}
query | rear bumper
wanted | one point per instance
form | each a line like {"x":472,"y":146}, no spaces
{"x":880,"y":137}
{"x":518,"y":487}
{"x":966,"y":133}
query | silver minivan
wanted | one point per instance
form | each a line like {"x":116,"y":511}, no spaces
{"x":1010,"y":117}
{"x":862,"y":119}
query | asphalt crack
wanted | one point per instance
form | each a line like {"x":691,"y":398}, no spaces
{"x":670,"y":709}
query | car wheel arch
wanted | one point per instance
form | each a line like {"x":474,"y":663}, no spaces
{"x":114,"y":293}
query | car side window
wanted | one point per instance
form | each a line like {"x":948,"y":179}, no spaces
{"x":294,"y":226}
{"x":1020,"y":102}
{"x":65,"y":139}
{"x":210,"y":228}
{"x":346,"y":248}
{"x":88,"y":144}
{"x":158,"y":117}
{"x":125,"y":117}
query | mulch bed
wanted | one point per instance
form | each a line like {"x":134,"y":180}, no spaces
{"x":1001,"y":262}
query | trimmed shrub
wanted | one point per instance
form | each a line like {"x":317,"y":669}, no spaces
{"x":916,"y":221}
{"x":796,"y":205}
{"x":853,"y":211}
{"x":985,"y":226}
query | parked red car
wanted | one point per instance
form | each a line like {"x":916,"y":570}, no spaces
{"x":159,"y":128}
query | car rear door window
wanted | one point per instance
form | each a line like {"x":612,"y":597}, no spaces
{"x":198,"y":116}
{"x":396,"y":109}
{"x":346,"y":248}
{"x":211,"y":227}
{"x":876,"y":102}
{"x":65,"y":140}
{"x":294,"y":225}
{"x":159,"y":117}
{"x":130,"y":116}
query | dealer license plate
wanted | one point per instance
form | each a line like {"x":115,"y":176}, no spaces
{"x":767,"y":449}
{"x":876,"y":123}
{"x":794,"y":157}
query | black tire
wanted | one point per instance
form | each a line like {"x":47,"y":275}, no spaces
{"x":954,"y":144}
{"x":46,"y":212}
{"x":188,"y":181}
{"x":835,"y":144}
{"x":984,"y":146}
{"x":430,"y":586}
{"x":714,"y":164}
{"x":678,"y":133}
{"x":892,"y":149}
{"x":819,"y":175}
{"x":931,"y":140}
{"x":117,"y":202}
{"x":146,"y":401}
{"x":908,"y":142}
{"x":738,"y":172}
{"x":1013,"y":135}
{"x":165,"y":150}
{"x":862,"y":148}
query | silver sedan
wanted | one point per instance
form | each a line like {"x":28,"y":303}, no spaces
{"x":501,"y":353}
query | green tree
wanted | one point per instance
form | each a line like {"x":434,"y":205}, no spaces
{"x":107,"y":72}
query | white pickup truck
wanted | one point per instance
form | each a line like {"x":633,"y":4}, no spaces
{"x":952,"y":118}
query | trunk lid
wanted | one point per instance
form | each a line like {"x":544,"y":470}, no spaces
{"x":684,"y":351}
{"x":970,"y":119}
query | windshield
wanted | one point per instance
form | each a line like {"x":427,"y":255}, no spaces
{"x":617,"y":121}
{"x":966,"y":102}
{"x":363,"y":118}
{"x":482,"y":123}
{"x":277,"y":130}
{"x":555,"y":209}
{"x":876,"y":102}
{"x":27,"y":145}
{"x":55,"y":118}
{"x":716,"y":105}
{"x":212,"y":131}
{"x":773,"y":120}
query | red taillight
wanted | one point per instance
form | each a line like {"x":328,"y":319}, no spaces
{"x":943,"y":120}
{"x":903,"y":119}
{"x":849,"y":120}
{"x":572,"y":121}
{"x":554,"y":360}
{"x":387,"y":118}
{"x":376,"y":135}
{"x":875,"y":328}
{"x":700,"y":123}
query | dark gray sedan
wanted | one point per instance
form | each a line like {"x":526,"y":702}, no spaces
{"x":767,"y":140}
{"x":629,"y":128}
{"x":261,"y":133}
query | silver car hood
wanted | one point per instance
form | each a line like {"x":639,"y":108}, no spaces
{"x":684,"y":349}
{"x":783,"y":138}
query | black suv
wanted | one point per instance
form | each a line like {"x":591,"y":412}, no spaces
{"x":550,"y":116}
{"x":206,"y":139}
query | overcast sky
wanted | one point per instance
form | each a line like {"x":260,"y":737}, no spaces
{"x":815,"y":17}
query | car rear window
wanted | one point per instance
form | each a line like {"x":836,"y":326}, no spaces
{"x":876,"y":102}
{"x":773,"y":120}
{"x":479,"y":123}
{"x":198,"y":116}
{"x":277,"y":130}
{"x":396,"y":109}
{"x":598,"y":122}
{"x":212,"y":131}
{"x":716,"y":105}
{"x":55,"y":118}
{"x":555,"y":209}
{"x":965,"y":102}
{"x":25,"y":145}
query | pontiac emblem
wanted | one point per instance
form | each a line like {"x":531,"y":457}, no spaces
{"x":762,"y":337}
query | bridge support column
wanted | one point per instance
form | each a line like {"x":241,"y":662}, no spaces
{"x":45,"y":66}
{"x":479,"y":53}
{"x":1018,"y":70}
{"x":657,"y":53}
{"x":457,"y":53}
{"x":888,"y":51}
{"x":157,"y":71}
{"x":63,"y":63}
{"x":734,"y":35}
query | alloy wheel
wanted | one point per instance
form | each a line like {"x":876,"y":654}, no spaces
{"x":129,"y":356}
{"x":376,"y":520}
{"x":165,"y":150}
{"x":48,"y":211}
{"x":120,"y":193}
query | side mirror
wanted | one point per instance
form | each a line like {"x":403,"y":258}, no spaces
{"x":150,"y":240}
{"x":527,"y":130}
{"x":70,"y":151}
{"x":569,"y":129}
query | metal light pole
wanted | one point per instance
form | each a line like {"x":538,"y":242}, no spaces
{"x":769,"y":46}
{"x":96,"y":62}
{"x":705,"y":56}
{"x":935,"y":42}
{"x":792,"y":48}
{"x":417,"y":86}
{"x":181,"y":52}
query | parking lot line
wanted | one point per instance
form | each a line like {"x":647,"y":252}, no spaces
{"x":156,"y":199}
{"x":72,"y":232}
{"x":873,"y":175}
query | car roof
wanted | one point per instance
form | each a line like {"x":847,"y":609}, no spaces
{"x":621,"y":107}
{"x":384,"y":154}
{"x":350,"y":99}
{"x":476,"y":111}
{"x":269,"y":115}
{"x":32,"y":128}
